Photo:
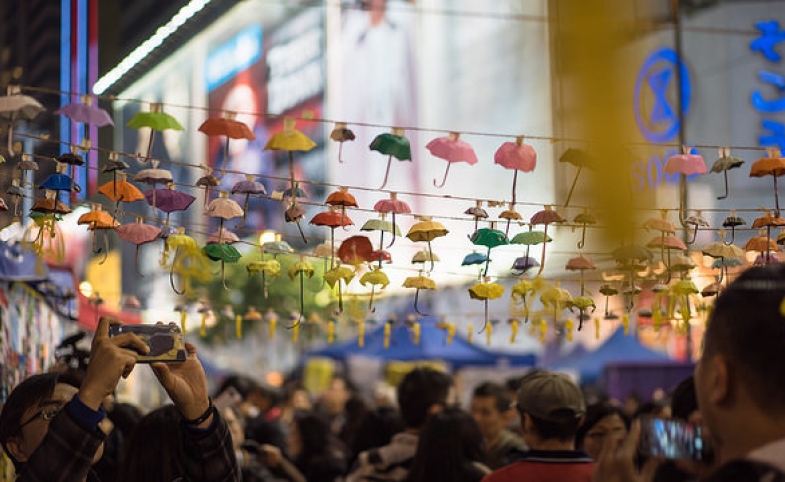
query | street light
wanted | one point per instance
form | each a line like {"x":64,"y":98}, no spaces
{"x":267,"y":236}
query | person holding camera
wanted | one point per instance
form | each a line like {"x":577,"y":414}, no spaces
{"x":50,"y":430}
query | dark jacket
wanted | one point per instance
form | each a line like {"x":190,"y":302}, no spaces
{"x":747,"y":471}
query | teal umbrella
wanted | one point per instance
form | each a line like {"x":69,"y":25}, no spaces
{"x":394,"y":145}
{"x":490,"y":238}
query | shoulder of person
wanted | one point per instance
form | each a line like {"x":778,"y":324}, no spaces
{"x":747,"y":471}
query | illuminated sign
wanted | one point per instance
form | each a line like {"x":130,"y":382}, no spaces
{"x":770,"y":36}
{"x":234,"y":56}
{"x":296,"y":66}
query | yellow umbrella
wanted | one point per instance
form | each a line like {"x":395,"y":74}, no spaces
{"x":336,"y":275}
{"x":189,"y":261}
{"x":301,"y":268}
{"x":289,"y":140}
{"x":427,"y":230}
{"x":419,"y":283}
{"x":375,"y":277}
{"x":486,"y":291}
{"x":557,"y":298}
{"x":265,"y":267}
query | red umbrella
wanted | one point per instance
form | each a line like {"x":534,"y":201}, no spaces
{"x":516,"y":156}
{"x":138,"y":233}
{"x":332,"y":219}
{"x":451,"y":149}
{"x":342,"y":197}
{"x":392,"y":205}
{"x":228,"y":127}
{"x":356,"y":250}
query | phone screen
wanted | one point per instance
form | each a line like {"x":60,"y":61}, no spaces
{"x":674,"y":439}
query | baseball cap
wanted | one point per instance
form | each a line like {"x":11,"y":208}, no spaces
{"x":551,"y":396}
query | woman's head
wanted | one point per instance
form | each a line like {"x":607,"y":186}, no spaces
{"x":377,"y":429}
{"x":449,"y":442}
{"x":602,"y":421}
{"x":155,"y":452}
{"x":308,"y":436}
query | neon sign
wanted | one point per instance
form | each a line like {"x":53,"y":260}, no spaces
{"x":771,"y":35}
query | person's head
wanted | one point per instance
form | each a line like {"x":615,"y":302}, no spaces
{"x":449,"y":442}
{"x":602,"y":421}
{"x":256,"y":399}
{"x":421,"y":392}
{"x":491,"y":407}
{"x":309,"y":436}
{"x":551,"y":407}
{"x":25,"y":417}
{"x":154,"y":452}
{"x":376,"y":429}
{"x":338,"y":392}
{"x":631,"y":403}
{"x":739,"y":379}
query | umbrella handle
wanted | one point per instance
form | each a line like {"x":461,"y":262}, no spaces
{"x":223,"y":275}
{"x":340,"y":152}
{"x":430,"y":254}
{"x":11,"y":138}
{"x":487,"y":262}
{"x":694,"y":235}
{"x":387,"y":172}
{"x":302,"y":234}
{"x":725,"y":173}
{"x":381,"y":246}
{"x":245,"y":211}
{"x":340,"y":298}
{"x":544,"y":245}
{"x":514,"y":185}
{"x":370,"y":303}
{"x":171,"y":274}
{"x":582,"y":242}
{"x":416,"y":299}
{"x":136,"y":262}
{"x":393,"y":231}
{"x":572,"y":187}
{"x":444,"y":180}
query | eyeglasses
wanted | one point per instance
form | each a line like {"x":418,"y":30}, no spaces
{"x":47,"y":413}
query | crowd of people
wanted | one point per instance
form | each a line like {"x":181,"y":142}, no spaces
{"x":65,"y":426}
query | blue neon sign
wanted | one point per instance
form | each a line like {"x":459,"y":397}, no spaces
{"x":655,"y":80}
{"x":771,"y":35}
{"x":234,"y":56}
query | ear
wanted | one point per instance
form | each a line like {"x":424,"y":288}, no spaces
{"x":14,"y":447}
{"x":718,"y":380}
{"x":526,"y":423}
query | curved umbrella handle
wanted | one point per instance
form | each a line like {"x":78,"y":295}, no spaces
{"x":371,"y":308}
{"x":171,"y":275}
{"x":340,"y":152}
{"x":582,"y":242}
{"x":444,"y":180}
{"x":387,"y":172}
{"x":393,"y":231}
{"x":416,"y":299}
{"x":725,"y":173}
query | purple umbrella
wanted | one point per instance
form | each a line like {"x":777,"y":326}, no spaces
{"x":168,"y":200}
{"x":86,"y":113}
{"x":248,"y":187}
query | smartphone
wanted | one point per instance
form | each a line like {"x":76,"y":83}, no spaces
{"x":227,"y":398}
{"x":165,"y":341}
{"x":674,"y":439}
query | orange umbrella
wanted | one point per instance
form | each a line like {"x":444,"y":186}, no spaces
{"x":96,"y":220}
{"x":774,"y":166}
{"x":767,"y":221}
{"x":510,"y":215}
{"x":120,"y":190}
{"x":762,"y":244}
{"x":229,"y":127}
{"x":342,"y":198}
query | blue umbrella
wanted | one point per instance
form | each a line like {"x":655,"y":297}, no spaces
{"x":474,"y":258}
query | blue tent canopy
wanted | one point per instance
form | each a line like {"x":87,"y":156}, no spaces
{"x":617,"y":348}
{"x":433,"y":346}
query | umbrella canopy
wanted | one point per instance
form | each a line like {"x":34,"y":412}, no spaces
{"x":249,"y":186}
{"x":732,"y":222}
{"x":223,"y":235}
{"x":423,"y":256}
{"x":279,"y":246}
{"x":227,"y":126}
{"x":531,"y":238}
{"x":685,"y":163}
{"x":546,"y":217}
{"x":426,"y":230}
{"x":580,"y":159}
{"x":340,"y":134}
{"x":155,"y":120}
{"x":392,"y":205}
{"x":121,"y":190}
{"x":477,"y":212}
{"x":392,"y":144}
{"x":86,"y":113}
{"x":221,"y":252}
{"x":375,"y":277}
{"x":332,"y":219}
{"x":696,"y":221}
{"x":580,"y":263}
{"x":667,"y":242}
{"x":17,"y":106}
{"x":419,"y":282}
{"x":452,"y":149}
{"x":474,"y":258}
{"x":523,"y":264}
{"x":50,"y":204}
{"x":169,"y":200}
{"x":224,"y":207}
{"x":356,"y":250}
{"x":342,"y":197}
{"x":768,"y":220}
{"x":661,"y":224}
{"x":138,"y":233}
{"x":517,"y":156}
{"x":724,"y":163}
{"x":339,"y":273}
{"x":290,"y":139}
{"x":774,"y":166}
{"x":376,"y":224}
{"x":154,"y":175}
{"x":631,"y":252}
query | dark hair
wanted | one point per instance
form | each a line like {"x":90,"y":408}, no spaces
{"x":594,"y":414}
{"x":563,"y":431}
{"x":449,"y":442}
{"x":684,"y":400}
{"x":419,"y":390}
{"x":501,"y":398}
{"x":155,"y":451}
{"x":376,"y":429}
{"x":27,"y":394}
{"x":748,"y":328}
{"x":355,"y":409}
{"x":125,"y":416}
{"x":318,"y":457}
{"x":653,"y":409}
{"x":513,"y":384}
{"x":244,"y":385}
{"x":348,"y":384}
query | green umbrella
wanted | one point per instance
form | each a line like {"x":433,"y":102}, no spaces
{"x":383,"y":226}
{"x":530,"y":238}
{"x":225,"y":253}
{"x":156,"y":120}
{"x":393,"y":144}
{"x":490,"y":238}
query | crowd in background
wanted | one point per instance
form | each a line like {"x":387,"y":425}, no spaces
{"x":537,"y":427}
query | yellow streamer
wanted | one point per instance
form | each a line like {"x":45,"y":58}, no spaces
{"x":625,"y":321}
{"x":416,"y":329}
{"x":656,"y":318}
{"x":238,"y":326}
{"x":361,"y":333}
{"x":513,"y":330}
{"x":543,"y":330}
{"x":183,"y":320}
{"x":596,"y":328}
{"x":295,"y":332}
{"x":488,"y":333}
{"x":470,"y":336}
{"x":273,"y":323}
{"x":569,"y":325}
{"x":203,"y":328}
{"x":450,"y":332}
{"x":387,"y":331}
{"x":331,"y":332}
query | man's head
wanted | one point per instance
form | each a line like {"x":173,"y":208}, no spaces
{"x":24,"y":420}
{"x":739,"y":377}
{"x":551,"y":407}
{"x":491,"y":408}
{"x":422,"y":392}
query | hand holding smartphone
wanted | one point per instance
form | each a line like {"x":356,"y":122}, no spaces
{"x":674,"y":439}
{"x":165,"y":341}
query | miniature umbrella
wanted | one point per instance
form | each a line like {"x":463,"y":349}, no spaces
{"x":685,"y":164}
{"x":522,"y":264}
{"x":774,"y":166}
{"x":427,"y":230}
{"x":155,"y":120}
{"x":732,"y":222}
{"x":583,"y":302}
{"x":608,"y":291}
{"x":490,"y":238}
{"x":343,"y":198}
{"x":340,"y":134}
{"x":86,"y":113}
{"x":383,"y":226}
{"x":720,"y":250}
{"x":16,"y":106}
{"x":451,"y":149}
{"x":518,"y":157}
{"x":332,"y":219}
{"x":120,"y":190}
{"x":138,"y":234}
{"x":477,"y":212}
{"x":580,"y":159}
{"x":168,"y":200}
{"x":114,"y":164}
{"x":17,"y":193}
{"x":725,"y":163}
{"x":74,"y":160}
{"x":229,"y":127}
{"x":545,"y":217}
{"x":301,"y":268}
{"x":188,"y":262}
{"x":223,"y":208}
{"x":49,"y":204}
{"x":666,"y":244}
{"x":248,"y":187}
{"x":530,"y":238}
{"x":486,"y":291}
{"x":266,"y":267}
{"x":278,"y":246}
{"x":557,"y":298}
{"x":290,"y":140}
{"x":419,"y":283}
{"x":510,"y":215}
{"x":768,"y":221}
{"x":474,"y":258}
{"x":59,"y":181}
{"x":99,"y":220}
{"x":375,"y":277}
{"x":584,"y":219}
{"x":48,"y":238}
{"x":154,"y":176}
{"x":395,"y":206}
{"x":295,"y":213}
{"x":207,"y":181}
{"x":336,"y":275}
{"x":761,"y":243}
{"x":356,"y":250}
{"x":392,"y":144}
{"x":524,"y":290}
{"x":696,"y":221}
{"x":423,"y":256}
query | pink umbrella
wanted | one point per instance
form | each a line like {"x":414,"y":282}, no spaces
{"x":451,"y":149}
{"x":168,"y":200}
{"x":392,"y":205}
{"x":685,"y":164}
{"x":224,"y":236}
{"x":516,"y":156}
{"x":138,"y":233}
